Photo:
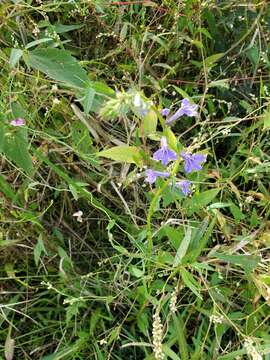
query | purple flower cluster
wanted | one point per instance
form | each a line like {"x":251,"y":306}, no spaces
{"x":192,"y":162}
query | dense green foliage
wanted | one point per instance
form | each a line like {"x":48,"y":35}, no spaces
{"x":144,"y":269}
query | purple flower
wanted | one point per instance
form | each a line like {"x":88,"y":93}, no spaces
{"x":152,"y":175}
{"x":165,"y":112}
{"x":186,"y":109}
{"x":193,"y":161}
{"x":17,"y":122}
{"x":164,"y":153}
{"x":184,"y":185}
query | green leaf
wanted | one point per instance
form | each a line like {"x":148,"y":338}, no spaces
{"x":9,"y":348}
{"x":254,"y":219}
{"x":81,"y":139}
{"x":15,"y":147}
{"x":179,"y":326}
{"x":218,"y":205}
{"x":102,"y":88}
{"x":266,"y":120}
{"x":3,"y":129}
{"x":254,"y":55}
{"x":15,"y":56}
{"x":142,"y":321}
{"x":123,"y":32}
{"x":211,"y":60}
{"x":60,"y":28}
{"x":190,"y":282}
{"x":37,"y":42}
{"x":60,"y":355}
{"x":7,"y":190}
{"x":173,"y":142}
{"x":181,"y":252}
{"x":14,"y":143}
{"x":201,"y":238}
{"x":170,"y":353}
{"x":175,"y":235}
{"x":205,"y":197}
{"x":149,"y":124}
{"x":181,"y":92}
{"x":223,"y":83}
{"x":122,"y":153}
{"x":39,"y":249}
{"x":58,"y":65}
{"x":205,"y":32}
{"x":197,"y":43}
{"x":135,"y":271}
{"x":237,"y":213}
{"x":88,"y":98}
{"x":18,"y":109}
{"x":247,"y":262}
{"x":67,"y":262}
{"x":200,"y":200}
{"x":73,"y":309}
{"x":168,"y":197}
{"x":198,"y":235}
{"x":157,"y":39}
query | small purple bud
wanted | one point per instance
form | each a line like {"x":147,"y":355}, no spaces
{"x":184,"y":185}
{"x":165,"y":112}
{"x":17,"y":122}
{"x":152,"y":175}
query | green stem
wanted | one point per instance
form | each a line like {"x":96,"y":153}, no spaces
{"x":153,"y":205}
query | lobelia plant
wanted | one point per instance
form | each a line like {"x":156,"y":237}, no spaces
{"x":192,"y":162}
{"x":165,"y":162}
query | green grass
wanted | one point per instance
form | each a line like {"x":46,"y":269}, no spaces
{"x":195,"y":268}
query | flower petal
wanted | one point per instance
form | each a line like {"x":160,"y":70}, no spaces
{"x":185,"y":102}
{"x":18,"y":122}
{"x":192,"y":161}
{"x":184,"y":185}
{"x":175,"y":116}
{"x":153,"y":174}
{"x":188,"y":166}
{"x":172,"y":155}
{"x":165,"y":112}
{"x":162,"y":174}
{"x":158,"y":155}
{"x":164,"y":154}
{"x":150,"y":176}
{"x":199,"y":157}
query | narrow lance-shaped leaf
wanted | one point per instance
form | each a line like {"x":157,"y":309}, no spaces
{"x":181,"y":252}
{"x":122,"y":153}
{"x":58,"y":65}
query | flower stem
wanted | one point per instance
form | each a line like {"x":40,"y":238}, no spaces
{"x":153,"y":205}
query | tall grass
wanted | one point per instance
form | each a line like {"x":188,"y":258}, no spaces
{"x":97,"y":260}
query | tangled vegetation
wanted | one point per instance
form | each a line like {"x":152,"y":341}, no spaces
{"x":135,"y":157}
